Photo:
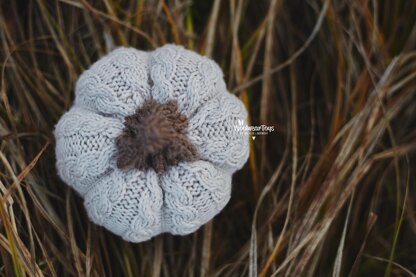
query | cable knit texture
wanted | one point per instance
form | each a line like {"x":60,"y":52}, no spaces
{"x":167,"y":191}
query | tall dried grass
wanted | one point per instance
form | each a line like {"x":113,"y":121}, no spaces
{"x":330,"y":192}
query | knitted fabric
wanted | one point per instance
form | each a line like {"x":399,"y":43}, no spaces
{"x":138,"y":204}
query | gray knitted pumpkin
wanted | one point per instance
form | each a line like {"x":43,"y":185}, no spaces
{"x":150,"y":142}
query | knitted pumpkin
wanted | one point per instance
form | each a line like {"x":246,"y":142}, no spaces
{"x":150,"y":142}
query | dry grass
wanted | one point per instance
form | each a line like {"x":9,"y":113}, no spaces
{"x":331,"y":192}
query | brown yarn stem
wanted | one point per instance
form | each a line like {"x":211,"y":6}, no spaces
{"x":154,"y":137}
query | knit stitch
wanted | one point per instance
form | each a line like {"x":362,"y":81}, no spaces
{"x":140,"y":202}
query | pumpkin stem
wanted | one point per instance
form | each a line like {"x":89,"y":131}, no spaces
{"x":154,"y":137}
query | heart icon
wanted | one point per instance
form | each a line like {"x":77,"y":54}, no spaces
{"x":253,"y":137}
